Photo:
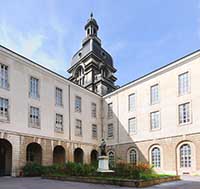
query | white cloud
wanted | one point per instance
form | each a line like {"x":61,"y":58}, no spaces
{"x":30,"y":45}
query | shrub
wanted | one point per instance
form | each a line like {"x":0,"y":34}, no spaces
{"x":32,"y":169}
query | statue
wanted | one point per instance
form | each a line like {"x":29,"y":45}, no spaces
{"x":102,"y":148}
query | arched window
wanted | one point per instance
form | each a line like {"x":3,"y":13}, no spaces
{"x":185,"y":155}
{"x":111,"y":157}
{"x":80,"y":76}
{"x":155,"y":157}
{"x":133,"y":156}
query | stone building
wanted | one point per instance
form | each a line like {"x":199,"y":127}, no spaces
{"x":47,"y":118}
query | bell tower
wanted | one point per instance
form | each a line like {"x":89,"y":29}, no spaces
{"x":92,"y":66}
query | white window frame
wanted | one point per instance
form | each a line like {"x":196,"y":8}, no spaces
{"x":134,"y":160}
{"x":110,"y":131}
{"x":185,"y":156}
{"x":153,"y":119}
{"x":78,"y":128}
{"x":110,"y":110}
{"x":58,"y":96}
{"x":184,"y":115}
{"x":34,"y":122}
{"x":34,"y":90}
{"x":132,"y":102}
{"x":4,"y":109}
{"x":94,"y":131}
{"x":183,"y":83}
{"x":154,"y":94}
{"x":130,"y":129}
{"x":4,"y":76}
{"x":59,"y":123}
{"x":156,"y":158}
{"x":93,"y":110}
{"x":78,"y":104}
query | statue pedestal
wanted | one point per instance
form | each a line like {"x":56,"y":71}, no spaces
{"x":103,"y":165}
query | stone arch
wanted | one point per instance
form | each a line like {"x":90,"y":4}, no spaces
{"x":34,"y":153}
{"x":78,"y":155}
{"x":5,"y":157}
{"x":58,"y":154}
{"x":94,"y":156}
{"x":185,"y":157}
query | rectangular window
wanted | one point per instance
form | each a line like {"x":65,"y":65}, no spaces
{"x":131,"y":102}
{"x":59,"y":123}
{"x":132,"y":125}
{"x":94,"y":131}
{"x":78,"y":128}
{"x":110,"y":131}
{"x":155,"y":120}
{"x":155,"y":94}
{"x":34,"y":88}
{"x":78,"y":104}
{"x":4,"y":115}
{"x":184,"y":113}
{"x":34,"y":117}
{"x":183,"y":83}
{"x":59,"y":100}
{"x":110,"y":110}
{"x":4,"y":76}
{"x":94,"y":110}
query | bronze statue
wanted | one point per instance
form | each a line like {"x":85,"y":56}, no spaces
{"x":103,"y":148}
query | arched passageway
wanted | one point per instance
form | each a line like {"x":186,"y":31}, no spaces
{"x":78,"y":155}
{"x":58,"y":155}
{"x":5,"y":157}
{"x":94,"y":156}
{"x":34,"y":153}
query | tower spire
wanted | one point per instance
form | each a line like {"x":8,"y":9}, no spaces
{"x":91,"y":26}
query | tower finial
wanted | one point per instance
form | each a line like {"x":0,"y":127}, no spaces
{"x":91,"y":15}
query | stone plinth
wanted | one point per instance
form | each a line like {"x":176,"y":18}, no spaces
{"x":103,"y":164}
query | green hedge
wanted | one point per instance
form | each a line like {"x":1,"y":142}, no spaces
{"x":121,"y":170}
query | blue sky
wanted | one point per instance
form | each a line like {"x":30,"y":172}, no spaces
{"x":141,"y":35}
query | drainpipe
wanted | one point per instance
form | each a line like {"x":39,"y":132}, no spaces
{"x":69,"y":102}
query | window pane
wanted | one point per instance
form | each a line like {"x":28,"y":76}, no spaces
{"x":59,"y":122}
{"x":4,"y":76}
{"x":131,"y":100}
{"x":183,"y":83}
{"x":133,"y":156}
{"x":78,"y":104}
{"x":110,"y":131}
{"x":78,"y":128}
{"x":132,"y":125}
{"x":155,"y":157}
{"x":110,"y":110}
{"x":4,"y":115}
{"x":185,"y":155}
{"x":184,"y":113}
{"x":94,"y":131}
{"x":34,"y":117}
{"x":154,"y":94}
{"x":155,"y":120}
{"x":94,"y":110}
{"x":34,"y":87}
{"x":59,"y":97}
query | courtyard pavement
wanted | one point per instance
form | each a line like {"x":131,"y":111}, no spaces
{"x":38,"y":183}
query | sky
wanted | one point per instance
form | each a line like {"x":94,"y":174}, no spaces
{"x":141,"y":35}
